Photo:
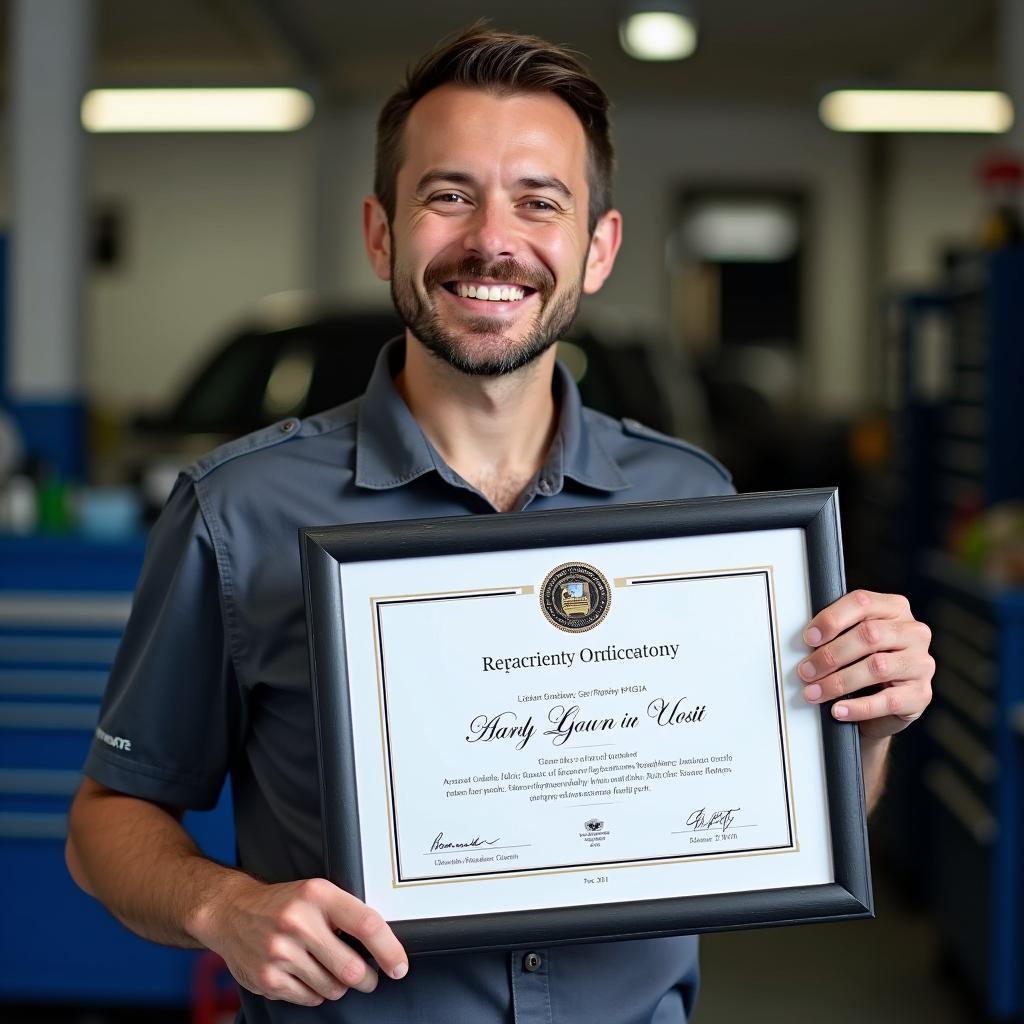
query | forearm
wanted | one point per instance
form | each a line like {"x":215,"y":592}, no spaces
{"x":874,"y":755}
{"x":141,"y":864}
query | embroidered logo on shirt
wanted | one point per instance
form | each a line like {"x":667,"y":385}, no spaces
{"x":117,"y":742}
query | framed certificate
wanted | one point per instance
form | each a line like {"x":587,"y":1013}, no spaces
{"x":582,"y":725}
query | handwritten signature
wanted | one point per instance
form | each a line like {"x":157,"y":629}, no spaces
{"x":440,"y":843}
{"x":703,"y":820}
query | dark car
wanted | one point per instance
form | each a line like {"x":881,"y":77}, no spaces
{"x":261,"y":375}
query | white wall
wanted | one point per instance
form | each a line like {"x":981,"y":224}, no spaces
{"x":934,"y":199}
{"x":663,"y":148}
{"x":211,"y":224}
{"x":214,"y":223}
{"x":348,"y":151}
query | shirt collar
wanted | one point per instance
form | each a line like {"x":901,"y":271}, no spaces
{"x":391,"y":449}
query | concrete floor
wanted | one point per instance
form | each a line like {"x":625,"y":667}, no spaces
{"x":885,"y":971}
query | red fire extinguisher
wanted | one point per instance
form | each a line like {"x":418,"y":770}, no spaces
{"x":214,"y":992}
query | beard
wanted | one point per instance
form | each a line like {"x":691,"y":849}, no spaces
{"x":494,"y":353}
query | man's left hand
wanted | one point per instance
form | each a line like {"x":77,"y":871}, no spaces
{"x":863,"y":640}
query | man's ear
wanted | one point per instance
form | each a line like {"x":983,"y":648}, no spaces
{"x":377,"y":237}
{"x":604,"y":245}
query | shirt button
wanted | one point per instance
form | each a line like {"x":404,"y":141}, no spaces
{"x":532,"y":962}
{"x":288,"y":426}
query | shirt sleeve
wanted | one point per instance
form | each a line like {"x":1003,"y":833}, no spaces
{"x":172,"y":715}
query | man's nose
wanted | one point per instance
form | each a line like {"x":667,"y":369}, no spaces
{"x":491,"y":232}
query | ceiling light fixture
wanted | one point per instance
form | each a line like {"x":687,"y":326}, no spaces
{"x":663,"y":30}
{"x":738,"y":231}
{"x":916,"y":110}
{"x":196,"y":110}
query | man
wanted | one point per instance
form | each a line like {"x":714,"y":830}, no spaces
{"x":492,"y":215}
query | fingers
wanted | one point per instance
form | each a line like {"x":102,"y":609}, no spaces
{"x":865,"y":639}
{"x":853,"y":608}
{"x":869,"y":640}
{"x":324,"y":963}
{"x":892,"y":669}
{"x":280,"y":941}
{"x":905,"y":703}
{"x":344,"y":964}
{"x":330,"y":966}
{"x":292,"y":972}
{"x":876,"y":651}
{"x":277,"y":983}
{"x":355,"y":918}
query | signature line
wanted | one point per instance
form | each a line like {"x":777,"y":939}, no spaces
{"x":472,"y":849}
{"x":688,"y":831}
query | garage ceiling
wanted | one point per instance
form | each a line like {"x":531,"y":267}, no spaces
{"x":750,"y":50}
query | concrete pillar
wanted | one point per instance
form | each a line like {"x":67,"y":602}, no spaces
{"x":328,"y":157}
{"x":1010,"y":32}
{"x":50,"y":46}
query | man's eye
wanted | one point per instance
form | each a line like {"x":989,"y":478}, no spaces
{"x":448,"y":197}
{"x":538,"y":204}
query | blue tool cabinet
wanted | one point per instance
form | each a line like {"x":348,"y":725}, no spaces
{"x":974,"y":775}
{"x":959,"y":430}
{"x":63,"y":605}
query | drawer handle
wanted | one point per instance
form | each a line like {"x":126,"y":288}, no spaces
{"x":34,"y":682}
{"x":962,"y":746}
{"x":1017,"y":718}
{"x":45,"y":651}
{"x":65,"y":608}
{"x":38,"y":782}
{"x":49,"y":716}
{"x":966,"y":698}
{"x":956,"y":796}
{"x":33,"y":826}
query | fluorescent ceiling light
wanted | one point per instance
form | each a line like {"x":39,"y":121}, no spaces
{"x":916,"y":110}
{"x":666,"y":34}
{"x":748,"y":232}
{"x":196,"y":110}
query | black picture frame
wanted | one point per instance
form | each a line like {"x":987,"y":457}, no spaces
{"x":815,"y":511}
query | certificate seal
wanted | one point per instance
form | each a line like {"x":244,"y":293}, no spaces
{"x":595,"y":832}
{"x":575,"y":597}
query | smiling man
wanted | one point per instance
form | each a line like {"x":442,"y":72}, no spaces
{"x":491,"y":217}
{"x":491,"y":247}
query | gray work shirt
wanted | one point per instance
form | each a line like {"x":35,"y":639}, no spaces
{"x":212,"y":676}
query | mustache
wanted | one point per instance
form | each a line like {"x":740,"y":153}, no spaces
{"x":509,"y":271}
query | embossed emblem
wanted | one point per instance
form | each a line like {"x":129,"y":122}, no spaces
{"x":575,"y":597}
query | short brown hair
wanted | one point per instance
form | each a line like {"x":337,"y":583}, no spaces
{"x":500,"y":62}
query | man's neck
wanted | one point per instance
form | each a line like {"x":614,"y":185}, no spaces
{"x":495,"y":432}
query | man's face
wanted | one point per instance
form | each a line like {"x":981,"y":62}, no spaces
{"x":489,"y":242}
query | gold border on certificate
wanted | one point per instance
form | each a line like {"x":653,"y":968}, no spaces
{"x":377,"y":602}
{"x":378,"y":659}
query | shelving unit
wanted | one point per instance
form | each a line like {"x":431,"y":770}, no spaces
{"x":974,"y":776}
{"x":958,"y":379}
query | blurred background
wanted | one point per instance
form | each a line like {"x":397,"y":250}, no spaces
{"x":822,"y":281}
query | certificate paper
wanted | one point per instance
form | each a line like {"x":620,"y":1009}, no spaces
{"x":591,"y":724}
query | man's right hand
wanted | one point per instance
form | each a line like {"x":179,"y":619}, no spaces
{"x":279,"y":940}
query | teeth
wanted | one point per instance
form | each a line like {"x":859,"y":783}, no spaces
{"x":492,"y":293}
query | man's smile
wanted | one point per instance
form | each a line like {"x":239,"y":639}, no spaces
{"x":488,"y":295}
{"x":488,"y":291}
